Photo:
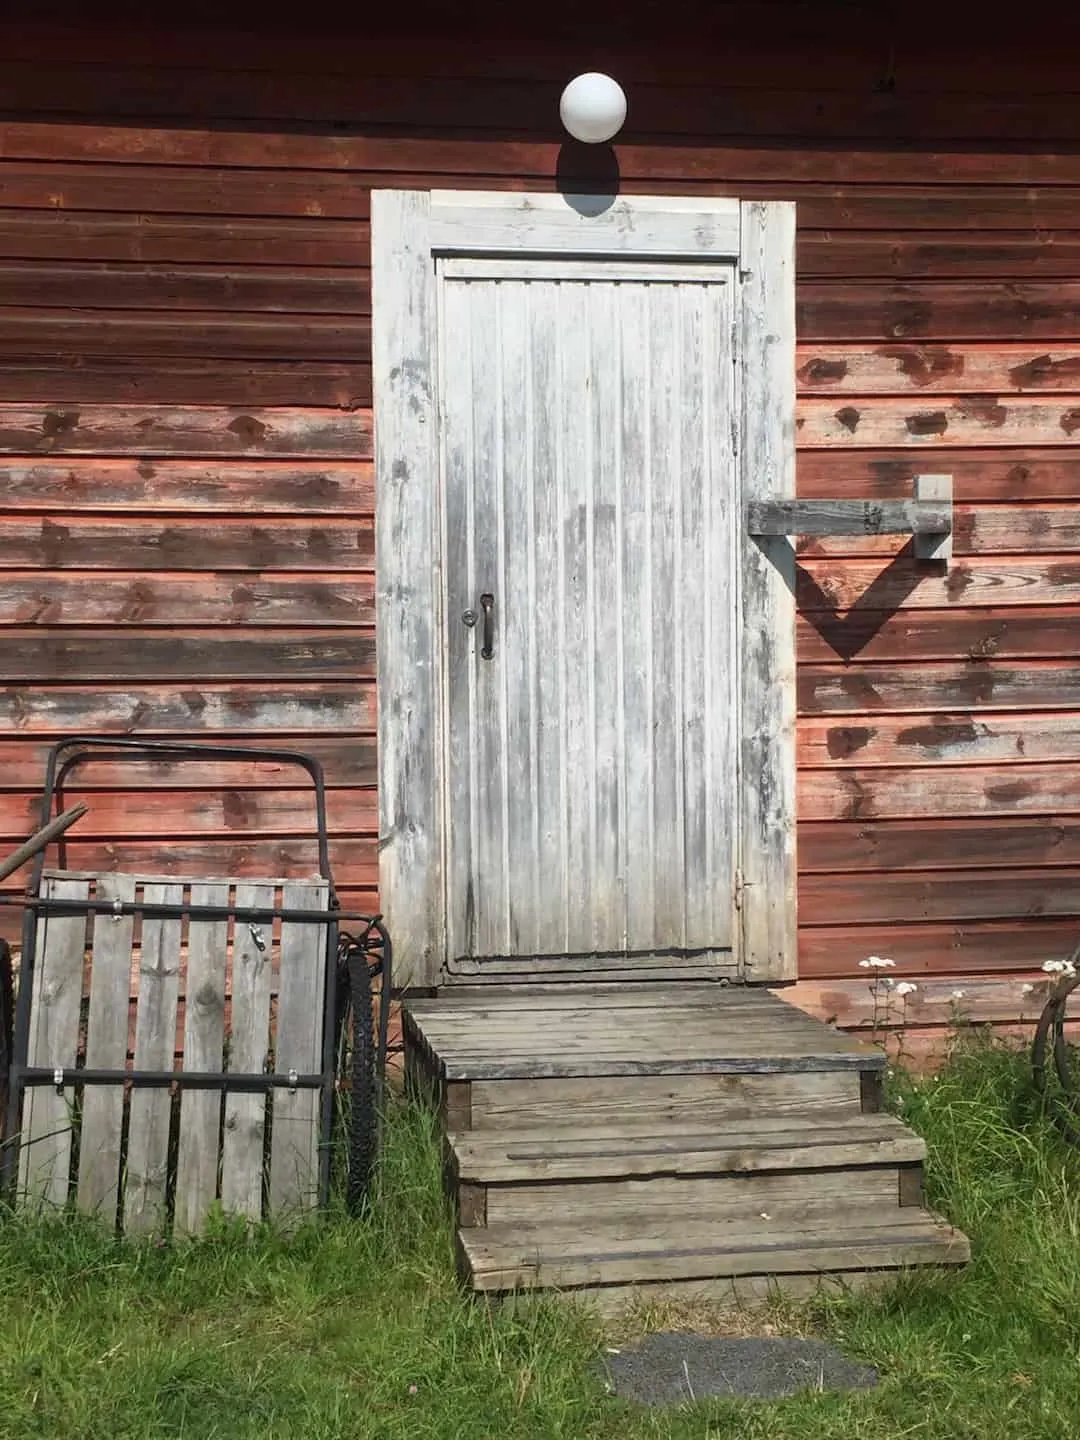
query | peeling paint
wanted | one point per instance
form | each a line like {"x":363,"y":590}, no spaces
{"x":922,"y":364}
{"x":847,"y":740}
{"x":927,"y":422}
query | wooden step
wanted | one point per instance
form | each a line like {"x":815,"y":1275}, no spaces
{"x":767,"y":1166}
{"x":703,"y":1030}
{"x":768,"y":1142}
{"x":638,"y":1252}
{"x":716,"y":1101}
{"x":605,"y":1054}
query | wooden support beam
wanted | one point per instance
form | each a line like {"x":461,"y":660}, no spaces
{"x":928,"y":517}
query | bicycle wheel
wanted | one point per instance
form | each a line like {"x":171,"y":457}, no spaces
{"x":7,"y":1025}
{"x":356,"y":1121}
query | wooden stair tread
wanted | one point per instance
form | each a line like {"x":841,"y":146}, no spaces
{"x":764,"y":1143}
{"x":513,"y":1256}
{"x":708,"y":1031}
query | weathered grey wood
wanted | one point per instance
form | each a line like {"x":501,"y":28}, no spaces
{"x":911,"y":1185}
{"x":872,"y":1091}
{"x":491,"y":1000}
{"x":155,"y":1049}
{"x":457,"y":1107}
{"x":849,"y":517}
{"x":597,"y":968}
{"x":633,"y":225}
{"x":562,"y":268}
{"x":671,"y":1042}
{"x":785,"y":1198}
{"x":714,"y":1100}
{"x":531,"y":297}
{"x":930,"y":490}
{"x":616,"y":835}
{"x":773,"y":1143}
{"x":767,"y":566}
{"x":466,"y":1067}
{"x":106,"y":1049}
{"x":242,"y":1148}
{"x":472,"y":1205}
{"x":204,"y":1045}
{"x":294,"y":1142}
{"x":45,"y":1144}
{"x":509,"y":1257}
{"x":406,"y":604}
{"x":561,"y":1037}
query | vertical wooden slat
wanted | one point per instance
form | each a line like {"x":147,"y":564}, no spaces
{"x":605,"y":652}
{"x":406,"y":463}
{"x":204,"y":1044}
{"x":636,"y":619}
{"x":460,"y":641}
{"x":707,"y":630}
{"x":249,"y":1043}
{"x":45,"y":1153}
{"x":518,"y":617}
{"x":546,"y":478}
{"x":106,"y":1049}
{"x":578,"y":779}
{"x":487,"y":750}
{"x":155,"y":1046}
{"x":294,"y":1144}
{"x":767,"y":712}
{"x":664,"y":557}
{"x":700,"y":639}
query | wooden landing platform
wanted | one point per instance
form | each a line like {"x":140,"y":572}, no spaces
{"x":626,"y":1030}
{"x":690,"y":1139}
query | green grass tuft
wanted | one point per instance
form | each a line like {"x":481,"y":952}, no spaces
{"x":357,"y":1328}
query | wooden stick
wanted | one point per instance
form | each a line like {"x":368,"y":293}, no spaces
{"x":29,"y":848}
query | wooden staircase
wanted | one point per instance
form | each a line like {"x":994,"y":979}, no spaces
{"x":691,"y":1140}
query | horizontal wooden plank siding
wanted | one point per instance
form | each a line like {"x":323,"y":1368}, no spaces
{"x":186,"y":517}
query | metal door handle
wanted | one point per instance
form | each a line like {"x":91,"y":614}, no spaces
{"x":487,"y":643}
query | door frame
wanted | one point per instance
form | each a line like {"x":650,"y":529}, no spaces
{"x":410,"y":230}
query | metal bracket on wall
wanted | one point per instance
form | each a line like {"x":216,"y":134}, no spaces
{"x":928,"y":517}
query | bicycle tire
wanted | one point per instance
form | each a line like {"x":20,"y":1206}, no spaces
{"x":356,"y":1077}
{"x":7,"y":1025}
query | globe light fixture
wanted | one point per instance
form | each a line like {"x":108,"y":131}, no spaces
{"x":593,"y":107}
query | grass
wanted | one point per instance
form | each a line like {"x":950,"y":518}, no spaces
{"x":357,"y":1329}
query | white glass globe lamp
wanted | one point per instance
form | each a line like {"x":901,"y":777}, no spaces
{"x":593,"y":108}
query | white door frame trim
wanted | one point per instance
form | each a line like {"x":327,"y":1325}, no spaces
{"x":409,"y":229}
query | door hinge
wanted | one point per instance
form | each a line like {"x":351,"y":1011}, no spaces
{"x":738,"y":889}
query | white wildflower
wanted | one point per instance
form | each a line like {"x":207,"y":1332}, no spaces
{"x":957,"y":994}
{"x":1059,"y":967}
{"x":876,"y":962}
{"x":1026,"y":989}
{"x":905,"y":988}
{"x":765,"y":1215}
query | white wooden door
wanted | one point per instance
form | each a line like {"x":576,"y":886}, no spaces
{"x":575,"y":400}
{"x":588,"y":482}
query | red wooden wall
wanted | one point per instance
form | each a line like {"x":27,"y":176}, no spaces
{"x":185,"y":533}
